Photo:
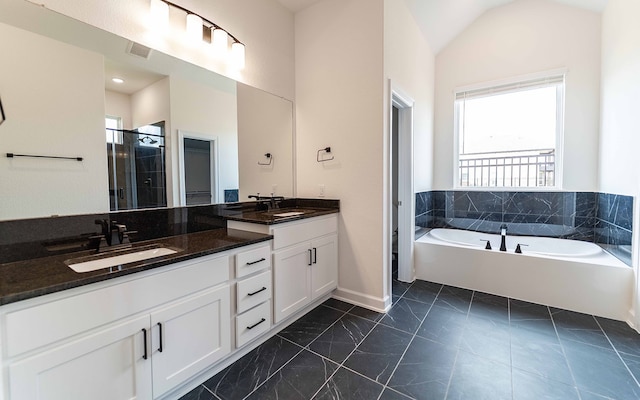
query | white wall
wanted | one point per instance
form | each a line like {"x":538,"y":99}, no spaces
{"x":339,"y":103}
{"x":409,"y":64}
{"x":52,"y":108}
{"x":118,"y":105}
{"x":619,"y":139}
{"x":265,"y":125}
{"x":211,"y":111}
{"x":264,"y":26}
{"x":523,"y":37}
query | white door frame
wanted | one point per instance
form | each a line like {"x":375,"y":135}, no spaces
{"x":215,"y":179}
{"x":406,"y":196}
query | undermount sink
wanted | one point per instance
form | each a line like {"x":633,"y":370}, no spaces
{"x":289,"y":214}
{"x":92,"y":263}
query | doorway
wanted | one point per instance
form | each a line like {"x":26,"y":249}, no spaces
{"x":402,"y":205}
{"x":198,"y":169}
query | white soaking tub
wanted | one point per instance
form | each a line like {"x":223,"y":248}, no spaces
{"x":568,"y":274}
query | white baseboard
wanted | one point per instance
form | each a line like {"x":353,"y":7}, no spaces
{"x":381,"y":305}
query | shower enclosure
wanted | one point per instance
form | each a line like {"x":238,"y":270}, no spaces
{"x":136,"y":161}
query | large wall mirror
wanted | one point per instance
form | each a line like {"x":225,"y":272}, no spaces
{"x":59,"y":100}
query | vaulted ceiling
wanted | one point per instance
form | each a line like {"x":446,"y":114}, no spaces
{"x":442,"y":20}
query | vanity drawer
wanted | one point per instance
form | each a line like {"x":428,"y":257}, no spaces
{"x":252,"y":261}
{"x":253,"y":323}
{"x":303,"y":231}
{"x":252,"y":291}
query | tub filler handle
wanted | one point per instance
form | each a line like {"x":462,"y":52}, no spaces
{"x":518,"y":249}
{"x":488,"y":246}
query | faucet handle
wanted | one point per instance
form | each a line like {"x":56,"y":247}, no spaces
{"x":518,"y":249}
{"x":488,"y":246}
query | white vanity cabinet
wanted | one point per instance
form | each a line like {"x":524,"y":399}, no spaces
{"x":135,"y":337}
{"x":305,"y":261}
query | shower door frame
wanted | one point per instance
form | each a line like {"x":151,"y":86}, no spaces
{"x":215,"y":168}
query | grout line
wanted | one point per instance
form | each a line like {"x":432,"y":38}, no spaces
{"x":455,"y":359}
{"x":564,"y":353}
{"x":617,"y":352}
{"x":511,"y":346}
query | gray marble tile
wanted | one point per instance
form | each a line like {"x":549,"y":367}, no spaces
{"x":366,"y":313}
{"x":377,"y":356}
{"x":527,"y":386}
{"x":311,"y":325}
{"x":529,"y":316}
{"x":342,"y":338}
{"x":623,"y":337}
{"x":390,"y":394}
{"x":489,"y":306}
{"x":487,"y":338}
{"x":346,"y":385}
{"x":542,"y":358}
{"x":579,"y":327}
{"x":300,"y":379}
{"x":443,"y":324}
{"x":338,"y":304}
{"x":454,"y":297}
{"x":406,"y":315}
{"x":423,"y":291}
{"x":477,"y":378}
{"x":425,"y":369}
{"x":199,"y":393}
{"x":243,"y":376}
{"x":600,"y":371}
{"x":633,"y":363}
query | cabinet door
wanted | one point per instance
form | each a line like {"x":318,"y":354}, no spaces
{"x":292,"y":280}
{"x":107,"y":365}
{"x":189,"y":336}
{"x":324,"y":271}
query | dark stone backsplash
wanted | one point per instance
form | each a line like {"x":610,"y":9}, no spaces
{"x":602,"y":218}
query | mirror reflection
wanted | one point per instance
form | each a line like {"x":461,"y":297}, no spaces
{"x":59,"y":95}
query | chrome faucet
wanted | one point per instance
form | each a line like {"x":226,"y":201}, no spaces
{"x":503,"y":240}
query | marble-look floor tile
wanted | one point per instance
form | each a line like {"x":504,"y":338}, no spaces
{"x":342,"y":338}
{"x":377,"y":356}
{"x":477,"y":378}
{"x":443,"y":324}
{"x":406,"y":315}
{"x":423,"y":291}
{"x":366,"y":313}
{"x":454,"y":297}
{"x":300,"y":379}
{"x":243,"y":376}
{"x":311,"y":325}
{"x":199,"y":393}
{"x":424,"y":370}
{"x":600,"y":371}
{"x":579,"y":327}
{"x":527,"y":386}
{"x":487,"y":338}
{"x":633,"y":363}
{"x":398,"y":288}
{"x":530,"y":316}
{"x":390,"y":394}
{"x":338,"y":304}
{"x":623,"y":337}
{"x":542,"y":358}
{"x":489,"y":306}
{"x":346,"y":385}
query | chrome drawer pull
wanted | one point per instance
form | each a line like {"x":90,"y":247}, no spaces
{"x":255,"y":262}
{"x":257,"y":291}
{"x":256,"y":324}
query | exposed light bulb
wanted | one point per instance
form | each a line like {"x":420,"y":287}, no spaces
{"x":237,"y":55}
{"x":159,"y":12}
{"x":220,"y":40}
{"x":194,"y":28}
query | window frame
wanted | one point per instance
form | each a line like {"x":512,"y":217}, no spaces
{"x":513,"y":81}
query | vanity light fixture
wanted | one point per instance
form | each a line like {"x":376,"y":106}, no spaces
{"x":196,"y":24}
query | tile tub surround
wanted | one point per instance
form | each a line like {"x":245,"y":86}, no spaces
{"x":606,"y":219}
{"x":465,"y":345}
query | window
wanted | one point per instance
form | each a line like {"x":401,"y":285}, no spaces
{"x":509,"y":134}
{"x":113,"y":124}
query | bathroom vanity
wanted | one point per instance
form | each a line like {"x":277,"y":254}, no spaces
{"x":153,"y":329}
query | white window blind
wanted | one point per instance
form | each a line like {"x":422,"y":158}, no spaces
{"x":510,"y":87}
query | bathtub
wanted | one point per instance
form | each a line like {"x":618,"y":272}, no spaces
{"x":569,"y":274}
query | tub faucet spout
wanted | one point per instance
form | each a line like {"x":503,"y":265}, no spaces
{"x":503,"y":241}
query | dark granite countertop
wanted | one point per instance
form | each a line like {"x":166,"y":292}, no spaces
{"x":277,"y":216}
{"x":22,"y":280}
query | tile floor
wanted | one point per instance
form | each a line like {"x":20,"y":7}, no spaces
{"x":438,"y":342}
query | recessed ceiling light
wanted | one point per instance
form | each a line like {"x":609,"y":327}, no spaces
{"x":117,"y":80}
